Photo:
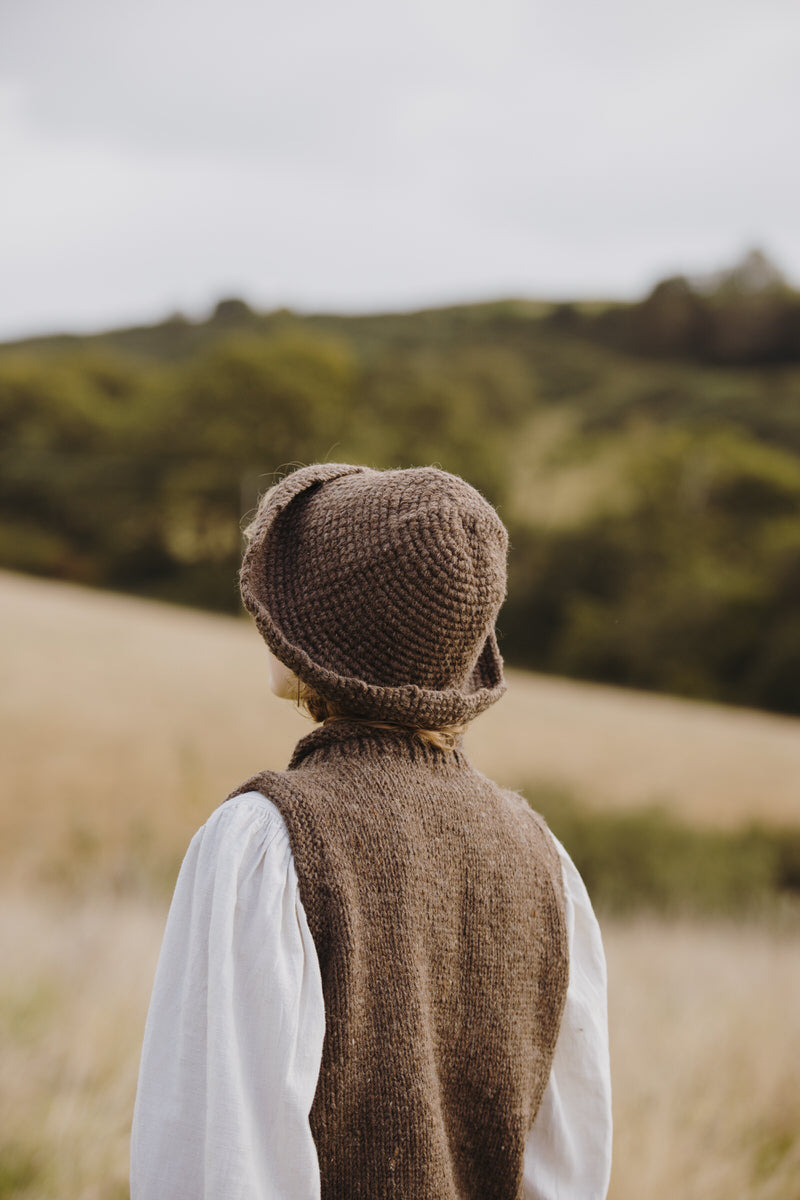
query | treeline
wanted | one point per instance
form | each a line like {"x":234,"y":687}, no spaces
{"x":744,"y":316}
{"x":654,"y":506}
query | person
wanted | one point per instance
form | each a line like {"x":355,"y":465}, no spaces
{"x":381,"y":975}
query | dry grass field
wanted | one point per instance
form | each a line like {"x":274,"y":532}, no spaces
{"x":124,"y":723}
{"x":705,"y":1044}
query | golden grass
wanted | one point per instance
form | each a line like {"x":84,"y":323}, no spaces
{"x":705,"y":1032}
{"x":125,"y":722}
{"x":76,"y":982}
{"x":705,"y":1041}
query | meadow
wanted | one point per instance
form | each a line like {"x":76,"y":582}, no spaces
{"x":125,"y":722}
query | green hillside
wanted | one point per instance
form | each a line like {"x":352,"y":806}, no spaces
{"x":646,"y":459}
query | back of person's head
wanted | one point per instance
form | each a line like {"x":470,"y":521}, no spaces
{"x":379,"y":590}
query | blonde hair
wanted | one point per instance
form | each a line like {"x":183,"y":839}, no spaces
{"x":325,"y":711}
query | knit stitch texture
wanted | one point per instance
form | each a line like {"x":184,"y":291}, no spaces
{"x":435,"y":903}
{"x":380,"y":590}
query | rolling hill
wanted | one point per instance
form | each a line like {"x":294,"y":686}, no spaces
{"x":126,"y":721}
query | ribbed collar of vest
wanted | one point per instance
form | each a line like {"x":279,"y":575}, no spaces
{"x":354,"y":739}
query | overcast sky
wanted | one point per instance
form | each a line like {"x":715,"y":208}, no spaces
{"x":356,"y":155}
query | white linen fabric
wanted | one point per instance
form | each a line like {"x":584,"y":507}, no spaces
{"x":233,"y":1041}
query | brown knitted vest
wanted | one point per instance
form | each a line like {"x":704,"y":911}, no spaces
{"x":436,"y":906}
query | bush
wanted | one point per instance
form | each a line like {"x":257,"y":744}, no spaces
{"x":645,"y":859}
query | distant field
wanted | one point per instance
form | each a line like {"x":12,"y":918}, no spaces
{"x":125,"y":722}
{"x":705,"y":1040}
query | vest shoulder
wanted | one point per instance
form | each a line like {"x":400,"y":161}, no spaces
{"x":520,"y":807}
{"x":274,"y":785}
{"x":534,"y":830}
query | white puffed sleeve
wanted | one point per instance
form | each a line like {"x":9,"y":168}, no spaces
{"x":568,"y":1153}
{"x":234,"y":1033}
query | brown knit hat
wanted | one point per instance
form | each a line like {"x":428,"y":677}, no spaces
{"x":380,"y":590}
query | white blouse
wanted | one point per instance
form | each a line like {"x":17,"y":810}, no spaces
{"x":233,"y":1041}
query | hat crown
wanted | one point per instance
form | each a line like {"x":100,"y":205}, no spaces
{"x":381,"y":588}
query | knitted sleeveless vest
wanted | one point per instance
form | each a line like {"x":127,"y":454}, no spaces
{"x":436,"y":907}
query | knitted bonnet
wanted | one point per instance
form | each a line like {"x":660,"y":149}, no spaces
{"x":380,"y":590}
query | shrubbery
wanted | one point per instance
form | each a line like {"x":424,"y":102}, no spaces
{"x":654,"y":508}
{"x":645,"y":859}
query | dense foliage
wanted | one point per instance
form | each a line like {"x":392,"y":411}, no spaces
{"x":652,"y":489}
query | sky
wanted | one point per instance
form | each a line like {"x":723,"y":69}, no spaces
{"x":361,"y":156}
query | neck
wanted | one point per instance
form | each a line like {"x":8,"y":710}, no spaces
{"x":358,"y":738}
{"x":448,"y":738}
